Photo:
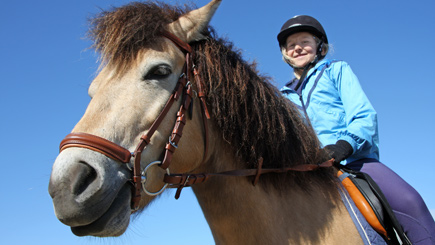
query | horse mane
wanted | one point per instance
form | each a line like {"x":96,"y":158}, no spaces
{"x":253,"y":116}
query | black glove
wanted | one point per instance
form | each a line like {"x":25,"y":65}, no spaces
{"x":339,"y":151}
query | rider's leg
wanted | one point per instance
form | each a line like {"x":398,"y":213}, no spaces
{"x":407,"y":204}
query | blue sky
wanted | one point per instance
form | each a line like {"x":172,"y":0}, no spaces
{"x":46,"y":69}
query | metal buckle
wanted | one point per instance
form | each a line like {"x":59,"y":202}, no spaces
{"x":144,"y":179}
{"x":172,"y":143}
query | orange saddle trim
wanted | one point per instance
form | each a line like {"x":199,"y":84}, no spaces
{"x":362,"y":204}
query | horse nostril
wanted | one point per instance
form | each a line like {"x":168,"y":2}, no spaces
{"x":82,"y":176}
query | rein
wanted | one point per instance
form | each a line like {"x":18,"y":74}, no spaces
{"x":180,"y":181}
{"x":184,"y":90}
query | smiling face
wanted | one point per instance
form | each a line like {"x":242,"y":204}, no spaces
{"x":300,"y":49}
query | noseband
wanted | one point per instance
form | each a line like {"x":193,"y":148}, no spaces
{"x":183,"y":89}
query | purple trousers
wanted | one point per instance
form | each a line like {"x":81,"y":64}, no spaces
{"x":408,"y":206}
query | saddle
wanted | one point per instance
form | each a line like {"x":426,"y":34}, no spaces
{"x":372,"y":203}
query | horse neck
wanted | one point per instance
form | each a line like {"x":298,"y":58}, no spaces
{"x":240,"y":213}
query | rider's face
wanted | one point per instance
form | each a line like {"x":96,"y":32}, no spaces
{"x":301,"y":48}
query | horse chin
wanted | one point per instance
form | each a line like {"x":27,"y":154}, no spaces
{"x":113,"y":222}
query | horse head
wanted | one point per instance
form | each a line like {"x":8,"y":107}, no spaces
{"x":91,"y":187}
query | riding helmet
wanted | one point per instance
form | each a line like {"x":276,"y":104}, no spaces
{"x":301,"y":23}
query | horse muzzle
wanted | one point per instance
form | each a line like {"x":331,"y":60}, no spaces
{"x":90,"y":193}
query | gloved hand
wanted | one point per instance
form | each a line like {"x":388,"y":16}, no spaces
{"x":339,"y":151}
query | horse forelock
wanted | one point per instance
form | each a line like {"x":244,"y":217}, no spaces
{"x":119,"y":34}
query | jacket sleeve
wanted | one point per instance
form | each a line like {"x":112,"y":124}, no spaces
{"x":361,"y":118}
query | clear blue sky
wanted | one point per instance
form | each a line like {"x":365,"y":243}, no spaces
{"x":45,"y":71}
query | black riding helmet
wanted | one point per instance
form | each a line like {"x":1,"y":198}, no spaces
{"x":301,"y":23}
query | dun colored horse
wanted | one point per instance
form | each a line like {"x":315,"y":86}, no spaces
{"x":165,"y":73}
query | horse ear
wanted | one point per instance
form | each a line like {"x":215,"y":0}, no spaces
{"x":189,"y":26}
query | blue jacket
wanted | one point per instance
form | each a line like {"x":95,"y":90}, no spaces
{"x":337,"y":107}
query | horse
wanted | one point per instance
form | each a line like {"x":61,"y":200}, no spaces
{"x":257,"y":169}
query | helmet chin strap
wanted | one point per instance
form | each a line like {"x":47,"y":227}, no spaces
{"x":304,"y":73}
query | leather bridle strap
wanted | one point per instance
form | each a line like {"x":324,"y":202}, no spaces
{"x":96,"y":143}
{"x":145,"y":140}
{"x":185,"y":47}
{"x":185,"y":180}
{"x":183,"y":84}
{"x":198,"y":81}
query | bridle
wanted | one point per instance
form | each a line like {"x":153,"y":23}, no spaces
{"x":183,"y":90}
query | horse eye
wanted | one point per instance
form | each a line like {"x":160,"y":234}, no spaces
{"x":158,"y":72}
